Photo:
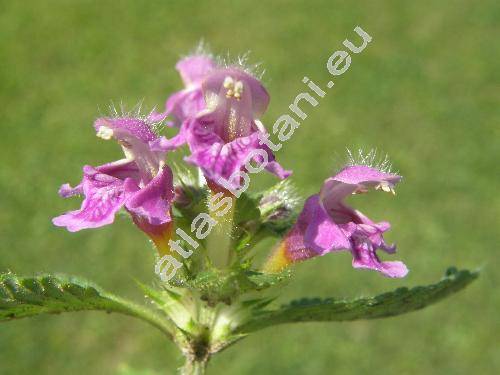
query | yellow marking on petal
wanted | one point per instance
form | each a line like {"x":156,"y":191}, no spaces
{"x":161,"y":239}
{"x":278,"y":260}
{"x":159,"y":234}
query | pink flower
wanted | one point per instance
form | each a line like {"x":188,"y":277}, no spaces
{"x":222,"y":136}
{"x":188,"y":102}
{"x":140,"y":182}
{"x":328,"y":224}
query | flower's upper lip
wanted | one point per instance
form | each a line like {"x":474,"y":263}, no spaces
{"x":365,"y":175}
{"x":134,"y":127}
{"x":344,"y":190}
{"x":258,"y":97}
{"x":194,"y":68}
{"x":354,"y":180}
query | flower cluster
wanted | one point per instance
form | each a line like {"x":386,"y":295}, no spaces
{"x":217,"y":115}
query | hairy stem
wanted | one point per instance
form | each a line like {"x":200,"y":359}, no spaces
{"x":194,"y":367}
{"x":220,"y":239}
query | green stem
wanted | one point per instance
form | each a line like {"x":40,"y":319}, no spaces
{"x":162,"y":323}
{"x":194,"y":367}
{"x":220,"y":239}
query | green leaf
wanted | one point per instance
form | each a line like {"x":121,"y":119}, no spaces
{"x":400,"y":301}
{"x":262,"y":281}
{"x":177,"y":303}
{"x":22,"y":297}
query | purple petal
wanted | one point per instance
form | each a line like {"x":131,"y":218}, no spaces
{"x":374,"y":233}
{"x":67,"y":191}
{"x":326,"y":223}
{"x":362,"y":174}
{"x":322,"y":233}
{"x":221,"y":160}
{"x":352,"y":179}
{"x":125,"y":128}
{"x":217,"y":158}
{"x":275,"y":168}
{"x":104,"y":196}
{"x":185,"y":104}
{"x":294,"y":248}
{"x":134,"y":135}
{"x":194,"y":68}
{"x":254,"y":96}
{"x":364,"y":256}
{"x":235,"y":100}
{"x":152,"y":202}
{"x":165,"y":144}
{"x":158,"y":117}
{"x":120,"y":169}
{"x":199,"y":132}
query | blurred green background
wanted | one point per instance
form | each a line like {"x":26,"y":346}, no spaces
{"x":426,"y":91}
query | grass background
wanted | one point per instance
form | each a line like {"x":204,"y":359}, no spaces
{"x":426,"y":91}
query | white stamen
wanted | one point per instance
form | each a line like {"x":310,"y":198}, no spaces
{"x":233,"y":88}
{"x":105,"y":133}
{"x":238,"y":86}
{"x":386,"y":186}
{"x":228,"y":82}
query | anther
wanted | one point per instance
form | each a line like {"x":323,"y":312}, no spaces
{"x":228,"y":82}
{"x":105,"y":133}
